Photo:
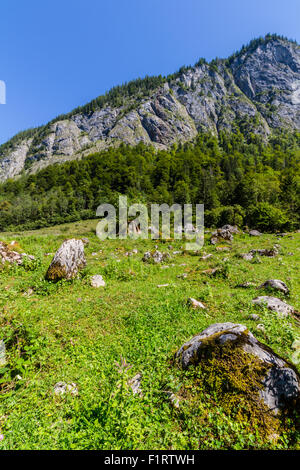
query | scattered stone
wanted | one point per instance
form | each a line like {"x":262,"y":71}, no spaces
{"x":2,"y":353}
{"x":254,"y":317}
{"x":9,"y":256}
{"x":60,"y":388}
{"x":254,"y":233}
{"x":271,"y":252}
{"x":205,"y":256}
{"x":97,"y":281}
{"x":221,"y":235}
{"x":67,"y":261}
{"x":195,"y":303}
{"x":162,"y":285}
{"x":223,"y":248}
{"x":155,"y":257}
{"x":275,"y":284}
{"x":135,"y":384}
{"x":177,"y":252}
{"x":274,"y":304}
{"x":280,"y":384}
{"x":245,"y":285}
{"x":247,"y":256}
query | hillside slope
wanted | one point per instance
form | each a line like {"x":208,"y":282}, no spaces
{"x":259,"y":88}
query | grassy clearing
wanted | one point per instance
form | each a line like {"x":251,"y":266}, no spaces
{"x":73,"y":333}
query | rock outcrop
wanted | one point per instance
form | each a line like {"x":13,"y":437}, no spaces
{"x":260,"y":87}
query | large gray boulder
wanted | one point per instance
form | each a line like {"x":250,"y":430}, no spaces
{"x":67,"y":261}
{"x":221,"y":235}
{"x":279,"y":381}
{"x":274,"y":304}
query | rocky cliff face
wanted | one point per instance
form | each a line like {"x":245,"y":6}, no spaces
{"x":259,"y":87}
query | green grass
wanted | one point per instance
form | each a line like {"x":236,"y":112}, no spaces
{"x":72,"y":332}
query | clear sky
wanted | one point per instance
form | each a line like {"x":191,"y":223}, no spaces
{"x":59,"y":54}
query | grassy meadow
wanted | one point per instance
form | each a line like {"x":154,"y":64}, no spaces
{"x":71,"y":332}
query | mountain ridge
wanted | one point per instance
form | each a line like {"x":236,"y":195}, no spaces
{"x":257,"y":88}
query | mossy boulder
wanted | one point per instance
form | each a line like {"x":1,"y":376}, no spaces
{"x":67,"y":261}
{"x":241,"y":371}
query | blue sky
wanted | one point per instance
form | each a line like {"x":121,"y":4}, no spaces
{"x":59,"y":54}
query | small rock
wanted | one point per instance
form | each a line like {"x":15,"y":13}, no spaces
{"x":155,"y":257}
{"x":2,"y":354}
{"x":246,"y":256}
{"x":60,"y":388}
{"x":260,"y":327}
{"x":275,"y":284}
{"x":245,"y":285}
{"x":205,"y":257}
{"x":97,"y":281}
{"x":162,"y":285}
{"x":135,"y":384}
{"x":274,"y":304}
{"x":195,"y":303}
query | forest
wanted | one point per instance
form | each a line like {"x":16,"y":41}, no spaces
{"x":240,"y":179}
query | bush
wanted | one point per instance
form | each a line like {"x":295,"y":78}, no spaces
{"x":264,"y":216}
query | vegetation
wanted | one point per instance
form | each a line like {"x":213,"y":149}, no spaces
{"x":68,"y":331}
{"x":241,"y":180}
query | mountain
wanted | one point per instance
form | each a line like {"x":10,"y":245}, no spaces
{"x":255,"y":90}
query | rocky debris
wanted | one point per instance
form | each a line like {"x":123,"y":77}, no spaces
{"x":279,"y":383}
{"x":61,"y":388}
{"x":223,"y":248}
{"x":220,"y":235}
{"x":271,"y":252}
{"x":132,"y":252}
{"x":97,"y":281}
{"x":2,"y":353}
{"x":245,"y":285}
{"x":231,"y":228}
{"x":9,"y":256}
{"x":205,"y":256}
{"x":155,"y":257}
{"x":195,"y":303}
{"x":254,"y":233}
{"x":135,"y":384}
{"x":274,"y":304}
{"x":275,"y":284}
{"x":246,"y":256}
{"x":67,"y":261}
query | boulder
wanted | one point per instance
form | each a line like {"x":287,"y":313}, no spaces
{"x":246,"y":256}
{"x":67,"y":261}
{"x":274,"y":304}
{"x":275,"y":284}
{"x":231,"y":228}
{"x":97,"y":281}
{"x":266,"y":379}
